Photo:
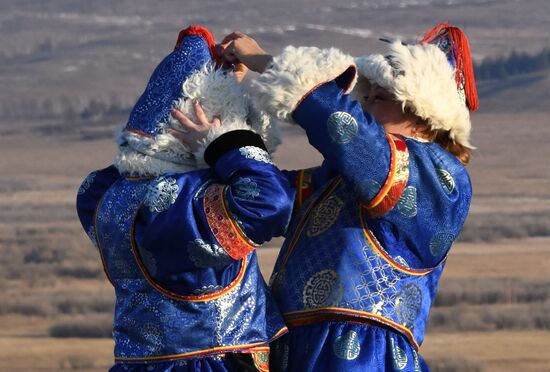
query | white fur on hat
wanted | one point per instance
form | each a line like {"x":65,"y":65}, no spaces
{"x":421,"y":77}
{"x":219,"y":94}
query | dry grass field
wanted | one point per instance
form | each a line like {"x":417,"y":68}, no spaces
{"x":70,"y":71}
{"x":492,"y":312}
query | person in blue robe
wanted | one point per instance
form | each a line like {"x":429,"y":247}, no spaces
{"x":373,"y":225}
{"x":177,"y":224}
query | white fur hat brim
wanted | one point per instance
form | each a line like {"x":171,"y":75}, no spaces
{"x":295,"y":73}
{"x":219,"y":94}
{"x":421,"y":77}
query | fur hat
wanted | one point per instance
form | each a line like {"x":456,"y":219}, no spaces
{"x":186,"y":75}
{"x":434,"y":79}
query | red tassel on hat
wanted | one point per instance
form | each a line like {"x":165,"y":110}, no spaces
{"x":461,"y":53}
{"x":201,"y":31}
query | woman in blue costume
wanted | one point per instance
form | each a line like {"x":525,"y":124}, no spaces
{"x":373,"y":225}
{"x":177,"y":224}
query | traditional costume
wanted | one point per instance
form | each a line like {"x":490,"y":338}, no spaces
{"x":359,"y":269}
{"x":177,"y":234}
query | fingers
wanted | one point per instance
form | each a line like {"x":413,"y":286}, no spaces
{"x":201,"y":116}
{"x":216,"y":122}
{"x":185,"y":122}
{"x":232,"y":36}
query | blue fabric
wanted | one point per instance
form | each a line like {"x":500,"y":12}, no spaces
{"x":344,"y":347}
{"x":339,"y":262}
{"x":164,"y":87}
{"x":219,"y":364}
{"x":158,"y":246}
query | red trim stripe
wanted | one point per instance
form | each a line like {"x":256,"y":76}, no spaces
{"x":223,"y":227}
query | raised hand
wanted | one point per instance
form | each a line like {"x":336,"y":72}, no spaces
{"x":192,"y":132}
{"x":238,"y":47}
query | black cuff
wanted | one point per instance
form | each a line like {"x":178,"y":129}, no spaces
{"x":229,"y":141}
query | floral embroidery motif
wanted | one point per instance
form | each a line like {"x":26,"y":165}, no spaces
{"x":206,"y":255}
{"x":342,"y":127}
{"x":347,"y":346}
{"x":441,"y":242}
{"x":323,"y":289}
{"x":399,"y":356}
{"x":245,"y":188}
{"x":408,"y":304}
{"x":224,"y":228}
{"x":161,"y":194}
{"x":86,"y":183}
{"x":324,"y":216}
{"x":447,"y":181}
{"x":256,"y":153}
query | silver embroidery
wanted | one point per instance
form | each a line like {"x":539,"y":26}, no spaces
{"x":446,"y":180}
{"x":401,"y":261}
{"x":416,"y":361}
{"x":323,"y":289}
{"x":92,"y":235}
{"x":399,"y":356}
{"x":408,"y":304}
{"x":233,"y":318}
{"x":342,"y":127}
{"x":206,"y":255}
{"x":86,"y":183}
{"x":245,"y":188}
{"x":375,"y":282}
{"x":207,"y":289}
{"x":324,"y":216}
{"x":407,"y":203}
{"x":440,"y":243}
{"x":347,"y":346}
{"x":161,"y":194}
{"x":256,"y":153}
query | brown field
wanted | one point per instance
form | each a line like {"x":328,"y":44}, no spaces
{"x":70,"y":71}
{"x":493,"y":310}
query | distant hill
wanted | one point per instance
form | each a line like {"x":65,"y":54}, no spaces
{"x":516,"y":94}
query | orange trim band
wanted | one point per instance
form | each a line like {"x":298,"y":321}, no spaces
{"x":382,"y":252}
{"x":398,"y":175}
{"x":215,"y":350}
{"x":296,"y":318}
{"x":299,"y":182}
{"x":224,"y":228}
{"x":176,"y":296}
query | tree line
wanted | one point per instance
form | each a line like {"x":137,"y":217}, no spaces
{"x":516,"y":63}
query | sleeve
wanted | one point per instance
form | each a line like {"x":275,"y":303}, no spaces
{"x":210,"y":218}
{"x":89,"y":195}
{"x":251,"y":201}
{"x":373,"y":162}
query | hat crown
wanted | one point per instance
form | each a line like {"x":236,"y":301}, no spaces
{"x":454,"y":43}
{"x":193,"y":51}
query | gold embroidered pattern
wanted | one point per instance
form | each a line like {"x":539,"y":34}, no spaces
{"x":224,"y":228}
